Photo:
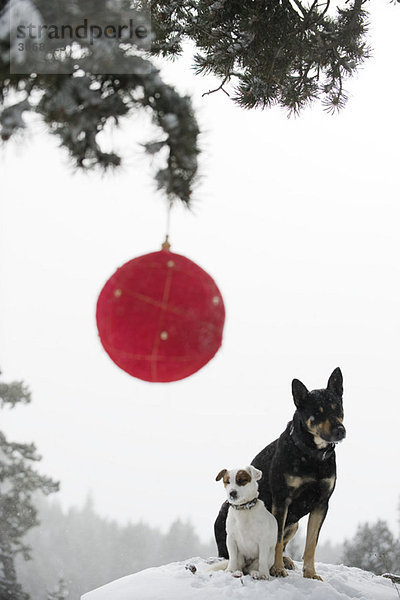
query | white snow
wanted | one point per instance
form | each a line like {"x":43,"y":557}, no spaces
{"x":176,"y":582}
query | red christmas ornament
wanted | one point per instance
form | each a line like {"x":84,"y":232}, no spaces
{"x":160,"y":317}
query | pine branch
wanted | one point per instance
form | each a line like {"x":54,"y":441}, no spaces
{"x":77,"y":107}
{"x":283,"y":52}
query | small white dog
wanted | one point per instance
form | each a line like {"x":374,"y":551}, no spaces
{"x":251,"y":529}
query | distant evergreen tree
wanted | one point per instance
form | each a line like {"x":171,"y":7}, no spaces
{"x":60,"y":593}
{"x":179,"y":542}
{"x":398,"y":505}
{"x":18,"y":481}
{"x":87,"y":550}
{"x":328,"y":552}
{"x":373,"y":548}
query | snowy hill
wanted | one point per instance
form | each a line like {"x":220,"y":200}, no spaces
{"x":176,"y":582}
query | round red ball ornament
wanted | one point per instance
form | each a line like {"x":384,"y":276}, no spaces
{"x":160,"y":317}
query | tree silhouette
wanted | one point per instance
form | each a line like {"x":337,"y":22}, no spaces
{"x":19,"y":480}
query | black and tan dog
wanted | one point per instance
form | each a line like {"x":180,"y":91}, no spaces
{"x":299,"y":471}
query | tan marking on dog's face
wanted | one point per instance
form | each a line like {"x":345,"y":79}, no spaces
{"x":310,"y":424}
{"x":243,"y":477}
{"x":321,"y":430}
{"x":320,"y":443}
{"x":321,"y":410}
{"x":324,"y":429}
{"x":317,"y":430}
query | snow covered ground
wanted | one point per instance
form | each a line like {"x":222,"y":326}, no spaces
{"x":176,"y":582}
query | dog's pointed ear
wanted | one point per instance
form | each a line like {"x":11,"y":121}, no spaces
{"x":299,"y":391}
{"x":255,"y":473}
{"x":221,"y":474}
{"x":335,"y":383}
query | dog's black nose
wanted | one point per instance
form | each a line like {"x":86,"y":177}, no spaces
{"x":233,"y":494}
{"x":339,"y":432}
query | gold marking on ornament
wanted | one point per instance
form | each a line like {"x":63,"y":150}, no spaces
{"x":118,"y":293}
{"x":170,"y":264}
{"x":164,"y":335}
{"x":216,"y":300}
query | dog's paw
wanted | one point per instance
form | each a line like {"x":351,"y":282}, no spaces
{"x":311,"y":574}
{"x":278,"y":571}
{"x":289,"y":564}
{"x":237,"y":574}
{"x":257,"y":575}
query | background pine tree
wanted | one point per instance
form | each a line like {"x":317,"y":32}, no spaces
{"x":60,"y":593}
{"x":373,"y":548}
{"x":19,"y":480}
{"x":85,"y":550}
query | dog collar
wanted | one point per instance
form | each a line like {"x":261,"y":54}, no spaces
{"x":313,"y":452}
{"x":245,"y":506}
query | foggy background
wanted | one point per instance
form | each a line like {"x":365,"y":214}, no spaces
{"x":297,"y":220}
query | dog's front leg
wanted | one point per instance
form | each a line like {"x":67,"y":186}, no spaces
{"x":279,"y":510}
{"x":315,"y":521}
{"x":264,"y":561}
{"x":233,"y":564}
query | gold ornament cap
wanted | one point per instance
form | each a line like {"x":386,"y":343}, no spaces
{"x":166,"y":245}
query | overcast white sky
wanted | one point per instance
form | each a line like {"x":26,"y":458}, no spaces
{"x":298,"y":222}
